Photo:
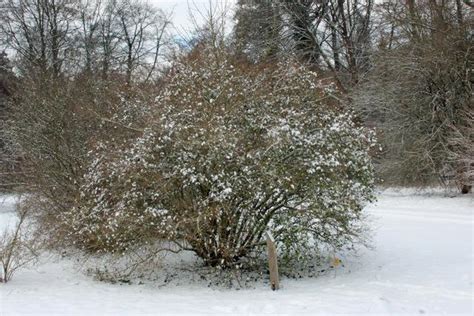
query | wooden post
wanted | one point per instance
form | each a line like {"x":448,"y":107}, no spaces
{"x":272,"y":262}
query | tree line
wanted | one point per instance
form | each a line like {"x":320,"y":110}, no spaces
{"x":66,"y":37}
{"x":404,"y":66}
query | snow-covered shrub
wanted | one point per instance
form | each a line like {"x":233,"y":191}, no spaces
{"x":118,"y":207}
{"x":234,"y":151}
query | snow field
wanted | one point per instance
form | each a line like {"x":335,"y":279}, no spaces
{"x":422,"y":263}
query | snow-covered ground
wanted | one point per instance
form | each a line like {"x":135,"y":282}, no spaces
{"x":422,"y":264}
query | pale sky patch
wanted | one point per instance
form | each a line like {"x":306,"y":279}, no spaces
{"x":181,"y":10}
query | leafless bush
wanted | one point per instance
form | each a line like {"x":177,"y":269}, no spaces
{"x":419,"y":95}
{"x":53,"y":123}
{"x":18,"y":248}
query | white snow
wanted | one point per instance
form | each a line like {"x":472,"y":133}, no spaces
{"x":422,"y":264}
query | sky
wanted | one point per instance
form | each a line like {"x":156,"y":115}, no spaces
{"x":181,"y":9}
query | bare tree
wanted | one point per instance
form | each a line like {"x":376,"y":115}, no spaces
{"x":38,"y":31}
{"x":141,"y":35}
{"x":90,"y":16}
{"x":349,"y":25}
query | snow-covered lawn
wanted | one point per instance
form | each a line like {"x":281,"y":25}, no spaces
{"x":422,"y":264}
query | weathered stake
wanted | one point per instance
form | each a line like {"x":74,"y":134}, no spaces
{"x":272,"y":262}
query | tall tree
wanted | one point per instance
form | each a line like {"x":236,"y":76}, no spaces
{"x":330,"y":34}
{"x":141,"y":28}
{"x":38,"y":31}
{"x":258,"y":29}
